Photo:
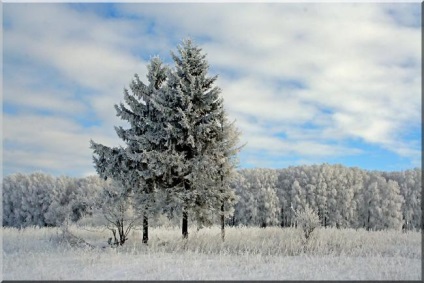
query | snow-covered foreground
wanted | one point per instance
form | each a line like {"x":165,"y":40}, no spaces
{"x":247,"y":253}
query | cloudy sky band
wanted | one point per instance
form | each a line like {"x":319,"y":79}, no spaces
{"x":307,"y":83}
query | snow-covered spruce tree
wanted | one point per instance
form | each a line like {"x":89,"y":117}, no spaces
{"x":218,"y":195}
{"x":137,"y":166}
{"x":228,"y":138}
{"x":192,"y":107}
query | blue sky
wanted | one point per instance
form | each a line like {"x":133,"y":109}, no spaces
{"x":306,"y":83}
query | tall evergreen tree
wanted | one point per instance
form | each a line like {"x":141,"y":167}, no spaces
{"x":176,"y":140}
{"x":137,"y":166}
{"x":228,"y":138}
{"x":191,"y":107}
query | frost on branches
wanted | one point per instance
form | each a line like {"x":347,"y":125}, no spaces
{"x":118,"y":209}
{"x":307,"y":220}
{"x":137,"y":166}
{"x":179,"y":144}
{"x":199,"y":140}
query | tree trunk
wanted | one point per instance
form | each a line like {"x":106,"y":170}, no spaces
{"x":222,"y":206}
{"x":282,"y":217}
{"x":115,"y":240}
{"x":185,"y":214}
{"x":368,"y":220}
{"x":185,"y":223}
{"x":121,"y":232}
{"x":222,"y":222}
{"x":145,"y":228}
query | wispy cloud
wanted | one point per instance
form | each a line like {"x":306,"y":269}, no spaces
{"x":315,"y":82}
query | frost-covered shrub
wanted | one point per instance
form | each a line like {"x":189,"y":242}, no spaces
{"x":117,"y":207}
{"x":307,"y":220}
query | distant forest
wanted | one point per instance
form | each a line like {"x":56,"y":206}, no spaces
{"x":343,"y":197}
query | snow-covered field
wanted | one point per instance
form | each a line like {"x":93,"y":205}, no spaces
{"x":247,"y":253}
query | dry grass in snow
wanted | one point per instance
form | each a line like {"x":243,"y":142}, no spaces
{"x":248,"y":253}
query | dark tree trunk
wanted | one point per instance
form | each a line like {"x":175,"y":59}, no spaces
{"x":185,"y":223}
{"x":122,"y":238}
{"x":185,"y":213}
{"x":145,"y":228}
{"x":222,"y":222}
{"x":368,"y":220}
{"x":222,"y":206}
{"x":325,"y":220}
{"x":115,"y":240}
{"x":282,"y":217}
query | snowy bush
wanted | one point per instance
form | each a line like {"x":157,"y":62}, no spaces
{"x":117,"y":207}
{"x":307,"y":220}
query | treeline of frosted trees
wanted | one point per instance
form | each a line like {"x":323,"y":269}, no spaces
{"x":341,"y":196}
{"x":42,"y":200}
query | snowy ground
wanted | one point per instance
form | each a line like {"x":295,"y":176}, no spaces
{"x":248,"y":253}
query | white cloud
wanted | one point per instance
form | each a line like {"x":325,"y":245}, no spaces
{"x":85,"y":52}
{"x":85,"y":49}
{"x":49,"y":143}
{"x":301,"y":79}
{"x":355,"y":60}
{"x":265,"y":102}
{"x":25,"y":87}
